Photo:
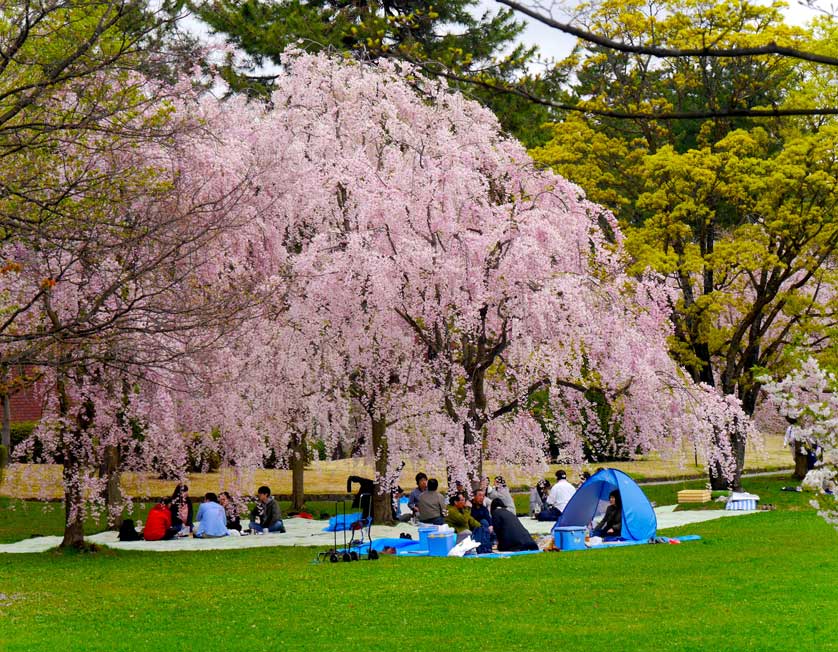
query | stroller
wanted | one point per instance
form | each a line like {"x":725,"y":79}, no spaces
{"x":358,"y":525}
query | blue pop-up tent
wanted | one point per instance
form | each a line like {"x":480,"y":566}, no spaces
{"x":639,"y":520}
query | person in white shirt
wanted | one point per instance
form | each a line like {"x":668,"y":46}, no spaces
{"x":561,"y":493}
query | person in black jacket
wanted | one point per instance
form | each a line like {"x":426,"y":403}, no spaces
{"x":611,"y":524}
{"x":512,"y":536}
{"x":232,"y":511}
{"x":181,"y":509}
{"x":365,"y":486}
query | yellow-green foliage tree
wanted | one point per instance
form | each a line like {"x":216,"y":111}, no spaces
{"x":740,"y":216}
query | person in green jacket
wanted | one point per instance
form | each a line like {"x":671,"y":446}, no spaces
{"x":459,"y":517}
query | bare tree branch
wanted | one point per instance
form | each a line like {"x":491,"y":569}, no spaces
{"x":590,"y":37}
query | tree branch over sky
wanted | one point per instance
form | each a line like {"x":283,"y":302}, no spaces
{"x":588,"y":109}
{"x":663,"y":52}
{"x":651,"y":46}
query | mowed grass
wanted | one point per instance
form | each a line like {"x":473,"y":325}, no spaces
{"x":759,"y":582}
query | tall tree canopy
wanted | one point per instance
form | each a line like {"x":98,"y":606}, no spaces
{"x":473,"y":47}
{"x":740,"y":217}
{"x":437,"y":279}
{"x":110,"y":239}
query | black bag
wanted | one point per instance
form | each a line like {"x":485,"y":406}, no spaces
{"x":127,"y":531}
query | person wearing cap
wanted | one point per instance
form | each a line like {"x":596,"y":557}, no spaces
{"x":561,"y":493}
{"x":501,"y":493}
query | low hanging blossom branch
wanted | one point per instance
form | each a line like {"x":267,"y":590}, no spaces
{"x":807,"y":398}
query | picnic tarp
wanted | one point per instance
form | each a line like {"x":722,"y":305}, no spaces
{"x":639,"y":521}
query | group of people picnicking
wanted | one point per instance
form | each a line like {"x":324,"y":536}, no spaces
{"x":548,"y":503}
{"x":489,"y":517}
{"x":218,"y":516}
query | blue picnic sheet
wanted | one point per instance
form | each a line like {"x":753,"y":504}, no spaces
{"x":343,"y":522}
{"x":407,"y":548}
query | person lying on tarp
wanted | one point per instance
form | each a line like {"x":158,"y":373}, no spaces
{"x":612,"y":523}
{"x":365,"y":486}
{"x":512,"y":536}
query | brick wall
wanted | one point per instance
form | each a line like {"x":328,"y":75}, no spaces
{"x":25,"y":407}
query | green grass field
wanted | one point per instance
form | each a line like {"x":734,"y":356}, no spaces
{"x":759,"y":582}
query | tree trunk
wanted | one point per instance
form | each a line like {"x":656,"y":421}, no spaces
{"x":298,"y":465}
{"x":6,"y":435}
{"x":474,"y":430}
{"x":73,"y":500}
{"x":113,"y":494}
{"x":382,"y":509}
{"x":801,"y":461}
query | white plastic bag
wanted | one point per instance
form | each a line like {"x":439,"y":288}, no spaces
{"x":465,"y":546}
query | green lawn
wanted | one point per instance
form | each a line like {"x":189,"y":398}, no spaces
{"x":760,"y":582}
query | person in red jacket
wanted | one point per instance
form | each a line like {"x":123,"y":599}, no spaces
{"x":158,"y":524}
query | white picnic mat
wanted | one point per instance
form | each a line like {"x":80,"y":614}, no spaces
{"x":305,"y":532}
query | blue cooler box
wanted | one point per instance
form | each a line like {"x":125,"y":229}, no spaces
{"x":569,"y":538}
{"x":440,"y":544}
{"x":424,"y":531}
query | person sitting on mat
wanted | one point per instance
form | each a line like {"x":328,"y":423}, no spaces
{"x":401,"y":512}
{"x":212,"y":519}
{"x":181,"y":509}
{"x":501,"y":492}
{"x":158,"y":523}
{"x":612,"y":523}
{"x":512,"y":536}
{"x":431,"y":505}
{"x":231,"y":511}
{"x":560,"y":495}
{"x":266,"y":516}
{"x":479,"y":511}
{"x":460,"y":518}
{"x":421,"y":487}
